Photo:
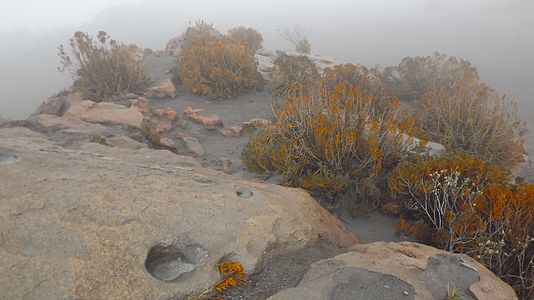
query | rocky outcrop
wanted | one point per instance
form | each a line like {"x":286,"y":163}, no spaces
{"x":103,"y":112}
{"x":56,"y":105}
{"x":397,"y":271}
{"x":101,"y":222}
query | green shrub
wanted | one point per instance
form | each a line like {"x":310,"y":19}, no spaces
{"x":103,"y":67}
{"x":219,"y":68}
{"x":249,"y":36}
{"x":289,"y":70}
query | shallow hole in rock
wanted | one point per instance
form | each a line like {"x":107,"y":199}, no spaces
{"x":8,"y":156}
{"x":244,"y":193}
{"x":280,"y":272}
{"x":168,"y":262}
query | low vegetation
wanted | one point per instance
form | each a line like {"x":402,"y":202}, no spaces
{"x":415,"y":76}
{"x":465,"y":205}
{"x":331,"y":140}
{"x":474,"y":118}
{"x":370,"y":80}
{"x":102,"y":67}
{"x":200,"y":30}
{"x":232,"y":275}
{"x":219,"y":68}
{"x":291,"y":70}
{"x":297,"y":36}
{"x":248,"y":36}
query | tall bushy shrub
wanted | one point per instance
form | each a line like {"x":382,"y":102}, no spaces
{"x":289,"y":70}
{"x":249,"y":36}
{"x":415,"y":76}
{"x":473,"y":118}
{"x":466,"y":206}
{"x":219,"y":68}
{"x":103,"y":67}
{"x":329,"y":139}
{"x":200,"y":30}
{"x":370,"y":80}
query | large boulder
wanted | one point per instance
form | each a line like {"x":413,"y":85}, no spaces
{"x":104,"y":112}
{"x":403,"y":270}
{"x":100,"y":222}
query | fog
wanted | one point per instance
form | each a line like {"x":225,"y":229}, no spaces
{"x":496,"y":36}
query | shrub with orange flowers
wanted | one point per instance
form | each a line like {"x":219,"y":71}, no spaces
{"x":219,"y":68}
{"x":289,"y":70}
{"x":249,"y":36}
{"x":464,"y":204}
{"x":369,"y":79}
{"x":330,"y":140}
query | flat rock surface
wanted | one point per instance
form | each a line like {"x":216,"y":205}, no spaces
{"x":403,"y":270}
{"x":101,"y":222}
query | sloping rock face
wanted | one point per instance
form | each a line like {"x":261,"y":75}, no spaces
{"x":99,"y":222}
{"x":403,"y":270}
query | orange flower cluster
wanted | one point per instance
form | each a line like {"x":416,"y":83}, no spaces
{"x":232,"y":272}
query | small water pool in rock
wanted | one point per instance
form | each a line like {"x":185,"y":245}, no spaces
{"x":169,"y":262}
{"x":9,"y":156}
{"x":244,"y":193}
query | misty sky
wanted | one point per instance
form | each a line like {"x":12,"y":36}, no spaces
{"x":496,"y":35}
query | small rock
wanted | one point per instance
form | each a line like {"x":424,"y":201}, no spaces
{"x":201,"y":117}
{"x":256,"y":123}
{"x":129,"y":96}
{"x":405,"y":293}
{"x":226,"y":163}
{"x":162,"y":126}
{"x":167,"y":113}
{"x":191,"y":144}
{"x":142,"y":105}
{"x":234,"y":131}
{"x":167,"y":142}
{"x":164,"y":90}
